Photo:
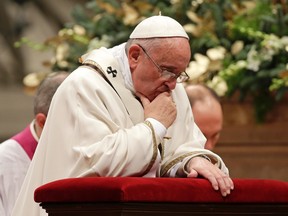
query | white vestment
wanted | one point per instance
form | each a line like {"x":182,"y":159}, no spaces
{"x":14,"y":163}
{"x":95,"y":130}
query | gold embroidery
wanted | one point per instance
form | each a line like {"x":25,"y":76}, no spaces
{"x":165,"y":169}
{"x":179,"y":159}
{"x":88,"y":61}
{"x":162,"y":149}
{"x":154,"y":147}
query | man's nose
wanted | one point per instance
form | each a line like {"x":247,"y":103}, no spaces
{"x":171,"y":84}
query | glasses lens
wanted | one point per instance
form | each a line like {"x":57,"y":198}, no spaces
{"x":166,"y":74}
{"x":182,"y":78}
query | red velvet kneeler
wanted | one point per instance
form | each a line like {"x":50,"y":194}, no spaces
{"x":266,"y":195}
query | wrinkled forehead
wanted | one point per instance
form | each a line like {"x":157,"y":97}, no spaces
{"x":176,"y":50}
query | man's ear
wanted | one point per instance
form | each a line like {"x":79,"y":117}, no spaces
{"x":133,"y":55}
{"x":40,"y":119}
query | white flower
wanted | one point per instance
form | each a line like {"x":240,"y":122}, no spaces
{"x":284,"y":40}
{"x":130,"y":15}
{"x":219,"y":85}
{"x":65,"y":31}
{"x":79,"y":30}
{"x":198,"y":67}
{"x":96,"y":43}
{"x":62,"y":51}
{"x":63,"y":64}
{"x":241,"y":64}
{"x":217,"y":53}
{"x":33,"y":80}
{"x":253,"y":60}
{"x":191,"y":28}
{"x":237,"y":47}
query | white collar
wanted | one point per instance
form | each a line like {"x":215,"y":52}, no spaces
{"x":33,"y":131}
{"x":119,"y":53}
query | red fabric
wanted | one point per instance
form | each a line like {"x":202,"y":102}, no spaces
{"x":27,"y":141}
{"x":137,"y":189}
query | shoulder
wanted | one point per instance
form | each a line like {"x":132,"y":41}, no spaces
{"x":81,"y":79}
{"x":8,"y":146}
{"x":11,"y":152}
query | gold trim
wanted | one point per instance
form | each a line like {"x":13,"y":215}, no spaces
{"x":165,"y":169}
{"x":154,"y":147}
{"x":88,"y":61}
{"x":163,"y":150}
{"x":177,"y":160}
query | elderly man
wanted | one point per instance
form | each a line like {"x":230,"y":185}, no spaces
{"x":207,"y":112}
{"x":123,"y":114}
{"x":17,"y":152}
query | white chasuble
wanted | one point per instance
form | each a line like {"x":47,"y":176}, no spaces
{"x":93,"y":129}
{"x":115,"y":77}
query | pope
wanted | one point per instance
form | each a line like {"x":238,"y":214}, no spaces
{"x":124,"y":112}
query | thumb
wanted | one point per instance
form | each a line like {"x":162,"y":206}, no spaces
{"x":145,"y":101}
{"x":193,"y":174}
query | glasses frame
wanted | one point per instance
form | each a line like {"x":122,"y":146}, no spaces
{"x":182,"y":77}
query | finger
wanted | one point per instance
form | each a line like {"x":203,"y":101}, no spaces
{"x":224,"y":185}
{"x":213,"y":181}
{"x":145,"y":101}
{"x":229,"y":184}
{"x":218,"y":182}
{"x":193,"y":174}
{"x":208,"y":172}
{"x":217,"y":178}
{"x":228,"y":180}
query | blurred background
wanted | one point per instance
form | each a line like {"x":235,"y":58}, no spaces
{"x":239,"y":48}
{"x":36,"y":20}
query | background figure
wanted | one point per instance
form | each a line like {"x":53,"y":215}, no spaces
{"x":17,"y":152}
{"x":207,"y":112}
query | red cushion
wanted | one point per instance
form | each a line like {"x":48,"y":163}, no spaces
{"x":137,"y":189}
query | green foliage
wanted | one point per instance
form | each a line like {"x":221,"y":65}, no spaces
{"x":242,"y":43}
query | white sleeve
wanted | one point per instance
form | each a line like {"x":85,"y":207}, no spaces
{"x":159,"y":128}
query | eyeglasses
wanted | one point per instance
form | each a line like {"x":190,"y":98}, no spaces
{"x":182,"y":77}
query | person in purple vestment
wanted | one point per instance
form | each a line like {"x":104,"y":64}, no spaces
{"x":17,"y":152}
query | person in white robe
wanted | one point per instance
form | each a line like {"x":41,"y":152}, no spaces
{"x":122,"y":113}
{"x":15,"y":157}
{"x":17,"y":152}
